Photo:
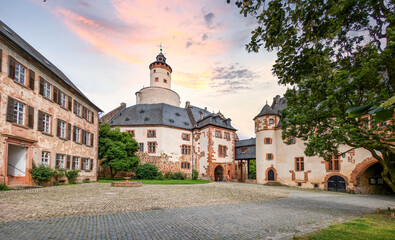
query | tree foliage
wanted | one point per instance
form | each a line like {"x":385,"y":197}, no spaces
{"x":117,"y":149}
{"x":338,"y":55}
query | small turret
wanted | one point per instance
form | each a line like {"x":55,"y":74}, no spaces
{"x":160,"y":72}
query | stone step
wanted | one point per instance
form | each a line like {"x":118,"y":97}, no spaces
{"x":272,"y":183}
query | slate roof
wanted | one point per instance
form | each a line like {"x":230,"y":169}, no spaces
{"x":245,"y":142}
{"x":26,"y":47}
{"x":245,"y":149}
{"x":266,"y":110}
{"x":167,"y":115}
{"x":280,"y":105}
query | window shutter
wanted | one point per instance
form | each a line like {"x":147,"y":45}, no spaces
{"x":41,"y":90}
{"x":70,"y":106}
{"x":31,"y":79}
{"x":58,"y":128}
{"x":84,"y":112}
{"x":57,"y":163}
{"x":72,"y":164}
{"x":74,"y":133}
{"x":55,"y":94}
{"x":40,"y":121}
{"x":83,"y":137}
{"x":68,"y":131}
{"x":92,"y":117}
{"x":30,"y":117}
{"x":1,"y":58}
{"x":80,"y":164}
{"x":10,"y":110}
{"x":68,"y":162}
{"x":75,"y":107}
{"x":11,"y":68}
{"x":91,"y":166}
{"x":92,"y":138}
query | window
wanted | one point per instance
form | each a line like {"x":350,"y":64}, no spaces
{"x":299,"y":164}
{"x":46,"y":123}
{"x":60,"y":159}
{"x":151,"y":133}
{"x":222,"y":151}
{"x":47,"y":90}
{"x":87,"y":138}
{"x":185,"y":136}
{"x":20,"y":73}
{"x":85,"y":164}
{"x":185,"y":165}
{"x":45,"y":158}
{"x":334,"y":165}
{"x":88,"y":115}
{"x":76,"y":162}
{"x":218,"y":134}
{"x":19,"y":113}
{"x":77,"y":108}
{"x":152,"y":147}
{"x":77,"y":134}
{"x":227,"y":135}
{"x":156,"y":79}
{"x":141,"y":147}
{"x":185,"y":150}
{"x":269,"y":156}
{"x":154,"y":70}
{"x":168,"y":74}
{"x":292,"y":140}
{"x":271,"y":121}
{"x":131,"y":132}
{"x":62,"y":127}
{"x":63,"y":99}
{"x":164,"y":80}
{"x":268,"y":141}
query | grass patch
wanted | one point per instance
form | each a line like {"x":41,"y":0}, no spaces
{"x":4,"y":187}
{"x":371,"y":226}
{"x":144,"y":181}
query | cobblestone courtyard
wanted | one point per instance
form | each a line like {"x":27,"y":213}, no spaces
{"x":209,"y":211}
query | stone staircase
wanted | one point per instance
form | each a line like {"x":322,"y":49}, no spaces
{"x":16,"y":181}
{"x":272,"y":183}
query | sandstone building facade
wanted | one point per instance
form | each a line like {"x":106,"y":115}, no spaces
{"x":177,"y":139}
{"x":277,"y":162}
{"x":44,"y":117}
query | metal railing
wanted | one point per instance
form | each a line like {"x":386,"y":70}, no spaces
{"x":16,"y":168}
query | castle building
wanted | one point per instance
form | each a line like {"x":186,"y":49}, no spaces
{"x":277,"y":162}
{"x":174,"y":138}
{"x":44,"y":118}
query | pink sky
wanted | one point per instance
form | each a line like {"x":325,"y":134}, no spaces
{"x":105,"y":48}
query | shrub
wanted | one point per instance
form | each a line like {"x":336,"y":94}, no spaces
{"x":87,"y":181}
{"x":147,"y":171}
{"x":57,"y":175}
{"x":179,"y":176}
{"x":41,"y":174}
{"x":72,"y":176}
{"x":4,"y":187}
{"x":160,"y":176}
{"x":168,"y":175}
{"x":195,"y":174}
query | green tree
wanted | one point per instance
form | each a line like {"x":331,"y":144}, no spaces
{"x":338,"y":55}
{"x":117,"y":149}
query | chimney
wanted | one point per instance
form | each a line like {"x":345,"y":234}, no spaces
{"x":123,"y":105}
{"x":278,"y":98}
{"x":205,"y":108}
{"x":187,"y":104}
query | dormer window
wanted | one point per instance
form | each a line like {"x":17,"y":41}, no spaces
{"x":160,"y":59}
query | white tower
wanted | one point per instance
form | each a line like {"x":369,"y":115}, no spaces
{"x":159,"y":90}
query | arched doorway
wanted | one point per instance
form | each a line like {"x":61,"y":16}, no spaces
{"x":336,"y":183}
{"x":270,"y":175}
{"x":218,"y":174}
{"x":370,"y":181}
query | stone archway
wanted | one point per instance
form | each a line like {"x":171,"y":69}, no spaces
{"x":271,"y":174}
{"x":218,"y":173}
{"x":360,"y":168}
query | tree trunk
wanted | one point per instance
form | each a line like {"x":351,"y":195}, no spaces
{"x":387,"y":161}
{"x":112,"y":173}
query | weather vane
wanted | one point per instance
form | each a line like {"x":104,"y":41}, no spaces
{"x":161,"y":47}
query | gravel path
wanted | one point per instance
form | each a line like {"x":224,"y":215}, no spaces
{"x":281,"y":218}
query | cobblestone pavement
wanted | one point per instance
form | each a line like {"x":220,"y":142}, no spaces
{"x":303,"y":211}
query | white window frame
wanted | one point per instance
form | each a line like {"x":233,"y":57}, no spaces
{"x":78,"y":135}
{"x":61,"y":159}
{"x":88,"y":115}
{"x":45,"y":157}
{"x":20,"y":73}
{"x":19,"y":113}
{"x":76,"y":160}
{"x":46,"y":123}
{"x":47,"y":89}
{"x":63,"y":99}
{"x":86,"y":164}
{"x":87,"y":138}
{"x":63,"y":127}
{"x":78,"y":108}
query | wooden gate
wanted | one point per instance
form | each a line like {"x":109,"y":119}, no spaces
{"x":336,"y":183}
{"x":270,"y":175}
{"x":218,"y":174}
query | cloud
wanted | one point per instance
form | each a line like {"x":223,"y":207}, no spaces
{"x":84,"y":4}
{"x":189,"y":43}
{"x":232,"y":79}
{"x":204,"y":37}
{"x":208,"y":18}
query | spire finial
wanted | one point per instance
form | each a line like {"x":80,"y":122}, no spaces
{"x":161,"y":47}
{"x":266,"y":102}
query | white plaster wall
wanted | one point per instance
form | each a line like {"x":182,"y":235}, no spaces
{"x":161,"y":74}
{"x":150,"y":95}
{"x":222,"y":141}
{"x":203,"y":151}
{"x":169,"y":140}
{"x":17,"y":158}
